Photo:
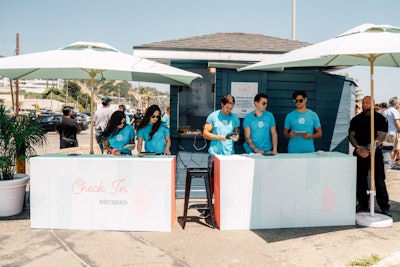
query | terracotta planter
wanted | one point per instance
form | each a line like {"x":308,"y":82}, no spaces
{"x":12,"y":194}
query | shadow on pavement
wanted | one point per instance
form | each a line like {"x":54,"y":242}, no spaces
{"x":281,"y":234}
{"x":24,"y":215}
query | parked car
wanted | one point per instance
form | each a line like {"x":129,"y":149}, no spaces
{"x":48,"y":123}
{"x":82,"y":121}
{"x":87,"y":114}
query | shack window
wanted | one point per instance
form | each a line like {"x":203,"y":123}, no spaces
{"x":196,"y":102}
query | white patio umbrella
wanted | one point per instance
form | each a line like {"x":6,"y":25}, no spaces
{"x":365,"y":45}
{"x":94,"y":61}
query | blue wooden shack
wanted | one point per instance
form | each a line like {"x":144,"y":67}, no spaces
{"x":216,"y":57}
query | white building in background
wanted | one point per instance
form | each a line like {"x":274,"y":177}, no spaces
{"x":30,"y":104}
{"x":31,"y":86}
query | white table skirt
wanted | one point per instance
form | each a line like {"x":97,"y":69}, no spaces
{"x":285,"y":191}
{"x":103,"y":192}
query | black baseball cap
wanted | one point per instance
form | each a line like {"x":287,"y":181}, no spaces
{"x":105,"y":99}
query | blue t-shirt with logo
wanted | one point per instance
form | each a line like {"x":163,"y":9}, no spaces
{"x":157,"y":144}
{"x":301,"y":121}
{"x":122,"y":138}
{"x":260,"y":130}
{"x":222,"y":125}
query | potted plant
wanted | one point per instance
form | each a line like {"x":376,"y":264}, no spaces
{"x":18,"y":138}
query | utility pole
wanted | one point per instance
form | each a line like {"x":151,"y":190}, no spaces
{"x":293,"y":20}
{"x":16,"y":81}
{"x":119,"y":95}
{"x":66,"y":95}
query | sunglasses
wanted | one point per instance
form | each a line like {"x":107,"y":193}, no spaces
{"x":298,"y":100}
{"x":264,"y":103}
{"x":154,"y":116}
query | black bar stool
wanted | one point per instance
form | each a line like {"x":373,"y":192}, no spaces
{"x":192,"y":173}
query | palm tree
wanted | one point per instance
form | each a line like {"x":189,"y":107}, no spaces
{"x":18,"y":138}
{"x":147,"y":94}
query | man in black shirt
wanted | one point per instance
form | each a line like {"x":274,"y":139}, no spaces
{"x":359,"y":136}
{"x":68,"y":128}
{"x":137,"y":118}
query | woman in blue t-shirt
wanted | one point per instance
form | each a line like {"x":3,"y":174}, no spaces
{"x":119,"y":137}
{"x":154,"y":133}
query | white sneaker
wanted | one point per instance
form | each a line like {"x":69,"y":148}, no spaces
{"x":391,"y":164}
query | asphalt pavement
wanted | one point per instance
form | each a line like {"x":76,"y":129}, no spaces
{"x":198,"y":244}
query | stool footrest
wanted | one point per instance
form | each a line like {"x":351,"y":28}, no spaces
{"x":197,"y":170}
{"x":197,"y":208}
{"x":192,"y":173}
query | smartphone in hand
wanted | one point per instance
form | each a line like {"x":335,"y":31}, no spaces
{"x":231,"y":136}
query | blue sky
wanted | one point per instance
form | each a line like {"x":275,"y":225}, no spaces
{"x":48,"y":24}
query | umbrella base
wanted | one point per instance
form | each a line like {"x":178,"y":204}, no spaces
{"x":378,"y":220}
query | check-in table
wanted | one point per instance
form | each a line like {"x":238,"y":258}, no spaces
{"x":100,"y":192}
{"x":285,"y":190}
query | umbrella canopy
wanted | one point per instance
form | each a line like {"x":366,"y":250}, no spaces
{"x":356,"y":47}
{"x":365,"y":45}
{"x":94,"y":61}
{"x":86,"y":60}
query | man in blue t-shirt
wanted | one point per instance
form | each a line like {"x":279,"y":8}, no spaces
{"x":301,"y":126}
{"x":260,"y":128}
{"x":222,"y":128}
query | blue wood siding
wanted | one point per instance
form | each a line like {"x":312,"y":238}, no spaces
{"x":330,"y":96}
{"x":325,"y":94}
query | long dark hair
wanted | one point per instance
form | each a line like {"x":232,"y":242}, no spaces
{"x":112,"y":126}
{"x":149,"y":112}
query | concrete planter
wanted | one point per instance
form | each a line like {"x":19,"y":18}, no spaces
{"x":12,"y":193}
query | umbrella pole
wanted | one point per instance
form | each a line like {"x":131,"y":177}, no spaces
{"x":91,"y":114}
{"x":371,"y":219}
{"x":372,"y":191}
